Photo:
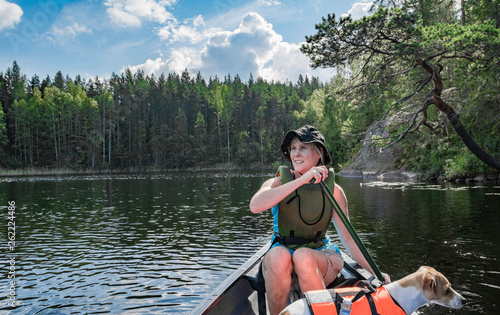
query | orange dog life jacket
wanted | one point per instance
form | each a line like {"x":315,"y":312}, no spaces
{"x":353,"y":301}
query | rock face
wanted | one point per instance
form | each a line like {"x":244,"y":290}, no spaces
{"x":371,"y":163}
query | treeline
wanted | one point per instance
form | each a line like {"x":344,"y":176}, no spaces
{"x":136,"y":121}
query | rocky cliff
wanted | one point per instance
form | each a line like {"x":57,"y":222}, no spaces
{"x":371,"y":162}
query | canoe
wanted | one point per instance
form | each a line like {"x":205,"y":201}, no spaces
{"x":239,"y":293}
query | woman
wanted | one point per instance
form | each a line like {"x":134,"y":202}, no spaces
{"x":301,"y":220}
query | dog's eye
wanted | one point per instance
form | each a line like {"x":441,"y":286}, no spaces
{"x":448,"y":290}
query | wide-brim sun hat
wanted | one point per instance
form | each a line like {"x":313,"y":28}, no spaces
{"x":305,"y":134}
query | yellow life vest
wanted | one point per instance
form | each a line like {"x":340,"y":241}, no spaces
{"x":305,"y":215}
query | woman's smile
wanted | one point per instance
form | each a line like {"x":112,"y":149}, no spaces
{"x":303,"y":156}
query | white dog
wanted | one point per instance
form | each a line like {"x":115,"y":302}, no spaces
{"x":400,"y":297}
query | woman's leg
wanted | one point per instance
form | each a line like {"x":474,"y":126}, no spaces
{"x":316,"y":269}
{"x":277,"y":270}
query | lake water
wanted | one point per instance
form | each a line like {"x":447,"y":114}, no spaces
{"x":157,"y":243}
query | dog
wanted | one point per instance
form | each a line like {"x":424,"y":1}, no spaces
{"x":406,"y":295}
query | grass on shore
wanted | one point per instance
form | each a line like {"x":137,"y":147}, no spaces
{"x":27,"y":172}
{"x":39,"y":172}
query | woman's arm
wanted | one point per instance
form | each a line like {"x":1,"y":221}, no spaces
{"x":271,"y":192}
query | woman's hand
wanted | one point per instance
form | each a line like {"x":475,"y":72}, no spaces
{"x":315,"y":175}
{"x":387,"y":278}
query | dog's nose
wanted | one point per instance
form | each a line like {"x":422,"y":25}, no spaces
{"x":464,"y":301}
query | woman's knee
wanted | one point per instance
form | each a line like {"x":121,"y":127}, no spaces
{"x":303,"y":255}
{"x":278,"y":261}
{"x":304,"y":261}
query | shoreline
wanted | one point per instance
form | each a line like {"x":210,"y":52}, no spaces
{"x":31,"y":172}
{"x":414,"y":176}
{"x":346,"y":172}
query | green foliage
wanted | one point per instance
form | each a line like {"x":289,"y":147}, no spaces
{"x":377,"y":57}
{"x":477,"y":42}
{"x":311,"y":110}
{"x":134,"y":121}
{"x":180,"y":142}
{"x":480,"y":11}
{"x":433,"y":155}
{"x":200,"y":146}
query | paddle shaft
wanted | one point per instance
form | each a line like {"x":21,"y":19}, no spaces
{"x":351,"y":231}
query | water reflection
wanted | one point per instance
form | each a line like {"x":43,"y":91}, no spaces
{"x":157,"y":243}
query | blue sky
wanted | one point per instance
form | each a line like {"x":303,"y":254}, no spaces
{"x":216,"y":37}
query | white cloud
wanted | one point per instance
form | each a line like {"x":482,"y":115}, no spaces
{"x":70,"y":30}
{"x":247,"y":49}
{"x":192,"y":30}
{"x":10,"y":14}
{"x":184,"y":58}
{"x":150,"y":66}
{"x":180,"y":59}
{"x":130,"y":13}
{"x":358,"y":10}
{"x":254,"y":47}
{"x":287,"y":63}
{"x":269,"y":3}
{"x":122,"y":18}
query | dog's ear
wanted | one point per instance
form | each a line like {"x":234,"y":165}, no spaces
{"x":430,"y":284}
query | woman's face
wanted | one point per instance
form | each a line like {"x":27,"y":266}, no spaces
{"x":303,"y":156}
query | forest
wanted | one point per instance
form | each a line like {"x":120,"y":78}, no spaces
{"x":136,"y":121}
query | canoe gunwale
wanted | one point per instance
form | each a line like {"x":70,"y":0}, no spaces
{"x":218,"y":293}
